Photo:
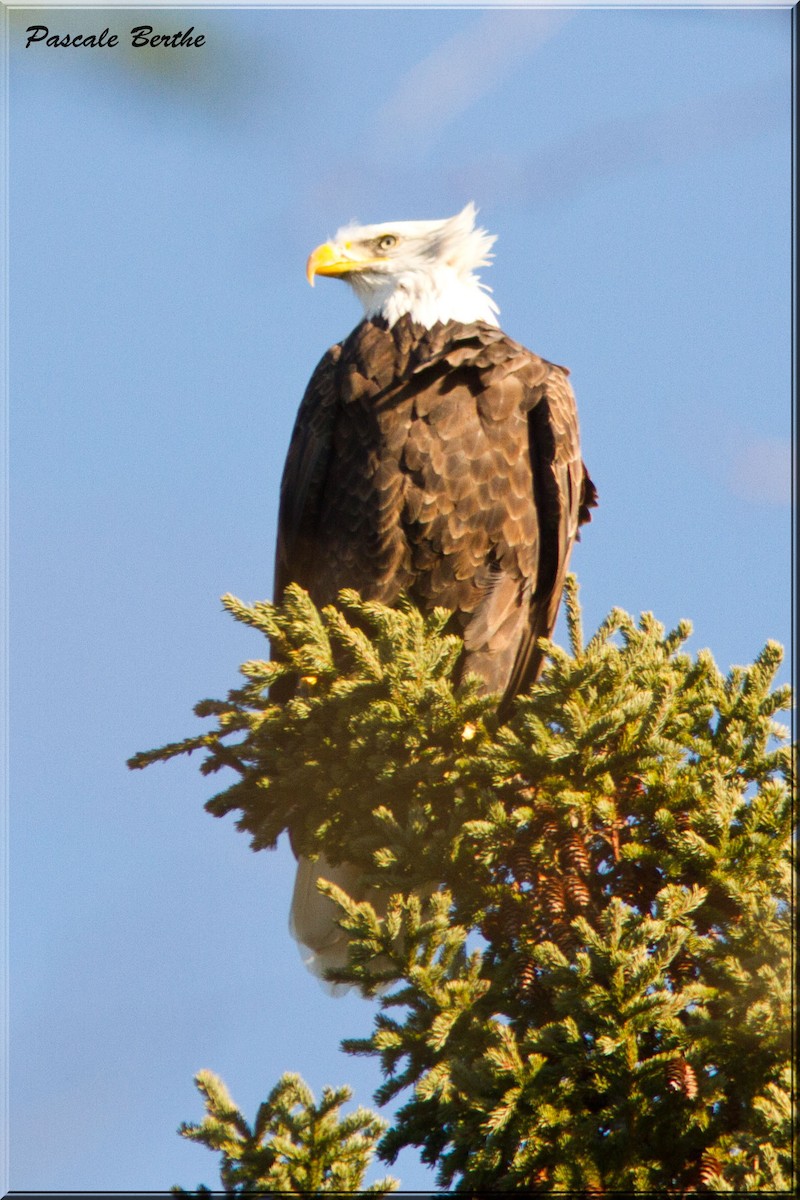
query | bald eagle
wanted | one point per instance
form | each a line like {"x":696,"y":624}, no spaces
{"x":431,"y":455}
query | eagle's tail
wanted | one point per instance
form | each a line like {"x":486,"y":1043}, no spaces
{"x":312,"y":921}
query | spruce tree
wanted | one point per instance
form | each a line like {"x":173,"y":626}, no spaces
{"x":294,"y":1144}
{"x":578,"y":931}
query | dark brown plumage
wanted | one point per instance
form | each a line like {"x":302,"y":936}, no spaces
{"x":444,"y":463}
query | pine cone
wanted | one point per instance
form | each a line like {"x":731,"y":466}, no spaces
{"x":548,"y":827}
{"x":574,"y":853}
{"x":527,"y":977}
{"x":681,"y":1078}
{"x":683,"y":966}
{"x":519,"y":860}
{"x":577,"y":891}
{"x":709,"y":1170}
{"x":551,"y":890}
{"x":510,"y":917}
{"x":563,"y":936}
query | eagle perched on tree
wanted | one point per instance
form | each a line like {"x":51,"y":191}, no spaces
{"x":431,"y":455}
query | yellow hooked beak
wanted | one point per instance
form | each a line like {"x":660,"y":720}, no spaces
{"x":327,"y":259}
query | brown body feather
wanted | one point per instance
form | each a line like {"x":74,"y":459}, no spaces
{"x":444,"y":463}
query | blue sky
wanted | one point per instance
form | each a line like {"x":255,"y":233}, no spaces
{"x":635,"y":165}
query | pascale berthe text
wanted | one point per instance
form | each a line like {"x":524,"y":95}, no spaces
{"x":140,"y":35}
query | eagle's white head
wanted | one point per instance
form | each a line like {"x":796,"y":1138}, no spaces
{"x":423,"y":268}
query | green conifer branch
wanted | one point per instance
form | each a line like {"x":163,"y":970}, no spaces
{"x":295,"y":1146}
{"x":577,"y":924}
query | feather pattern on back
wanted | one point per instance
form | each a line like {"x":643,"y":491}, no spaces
{"x":444,"y":463}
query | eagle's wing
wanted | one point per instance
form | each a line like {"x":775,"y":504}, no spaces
{"x":307,"y":464}
{"x":563,"y":494}
{"x":501,"y":493}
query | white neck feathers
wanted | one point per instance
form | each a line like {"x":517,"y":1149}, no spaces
{"x":435,"y":292}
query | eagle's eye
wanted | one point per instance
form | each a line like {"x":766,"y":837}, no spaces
{"x":387,"y":241}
